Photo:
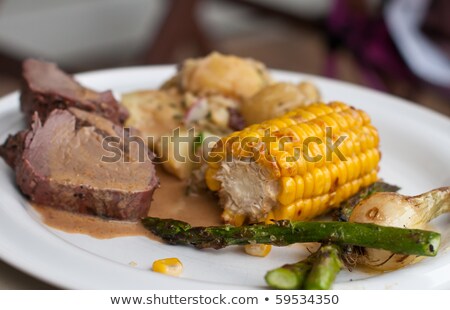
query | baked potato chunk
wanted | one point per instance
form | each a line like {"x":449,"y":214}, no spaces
{"x":277,"y":99}
{"x":221,"y":74}
{"x":176,"y":151}
{"x":153,"y":112}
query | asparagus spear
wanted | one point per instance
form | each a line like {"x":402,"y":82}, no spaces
{"x":327,"y":265}
{"x":281,"y":233}
{"x":345,"y":209}
{"x":316,"y":272}
{"x":290,"y":276}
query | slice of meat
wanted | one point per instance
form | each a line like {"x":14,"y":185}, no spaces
{"x":13,"y":147}
{"x":45,"y":88}
{"x":66,"y":164}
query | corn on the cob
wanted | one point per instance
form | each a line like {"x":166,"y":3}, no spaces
{"x":168,"y":266}
{"x":284,"y":178}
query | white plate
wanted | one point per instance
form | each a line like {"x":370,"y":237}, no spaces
{"x":415,"y":144}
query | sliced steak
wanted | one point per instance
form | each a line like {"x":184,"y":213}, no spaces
{"x":59,"y":164}
{"x":45,"y":88}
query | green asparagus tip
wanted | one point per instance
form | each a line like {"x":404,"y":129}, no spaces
{"x":165,"y":227}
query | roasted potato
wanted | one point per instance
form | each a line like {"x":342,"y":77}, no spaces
{"x":153,"y":112}
{"x":277,"y":99}
{"x":221,"y":74}
{"x":176,"y":151}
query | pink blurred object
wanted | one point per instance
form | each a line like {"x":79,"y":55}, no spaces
{"x":368,"y":38}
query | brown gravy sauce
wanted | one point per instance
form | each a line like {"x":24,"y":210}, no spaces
{"x":169,"y":201}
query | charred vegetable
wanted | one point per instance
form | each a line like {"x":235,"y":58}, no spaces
{"x":326,"y":266}
{"x":346,"y":208}
{"x":316,"y":272}
{"x":282,"y":233}
{"x":290,"y":276}
{"x":392,"y":209}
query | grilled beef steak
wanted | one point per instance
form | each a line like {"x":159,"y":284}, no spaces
{"x":45,"y":88}
{"x":59,"y":164}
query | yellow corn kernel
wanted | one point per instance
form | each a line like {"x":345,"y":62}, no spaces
{"x":288,"y":212}
{"x":364,"y":159}
{"x":370,"y":139}
{"x":338,"y":106}
{"x":343,"y":192}
{"x":370,"y":178}
{"x":238,"y":220}
{"x":300,"y":133}
{"x":363,"y":141}
{"x":309,"y":185}
{"x":330,"y":122}
{"x":287,"y":121}
{"x":288,"y":146}
{"x":327,"y":180}
{"x":301,"y":115}
{"x":301,"y":165}
{"x":371,"y":157}
{"x":334,"y":175}
{"x":324,"y":203}
{"x":370,"y":160}
{"x":318,"y":130}
{"x":213,"y":164}
{"x":356,"y":185}
{"x":227,"y":216}
{"x":364,"y":116}
{"x":350,"y":148}
{"x":339,"y":119}
{"x":288,"y":166}
{"x":278,"y":122}
{"x":299,"y":187}
{"x":315,"y":206}
{"x":168,"y":266}
{"x":273,"y":148}
{"x":323,"y":154}
{"x":303,"y":209}
{"x":350,"y":169}
{"x":355,"y":142}
{"x":313,"y":156}
{"x":269,"y":218}
{"x":342,"y":167}
{"x":285,"y":212}
{"x":216,"y":155}
{"x":374,"y":133}
{"x":260,"y":250}
{"x":287,"y":190}
{"x":355,"y":116}
{"x":357,"y":167}
{"x":319,"y":181}
{"x":211,"y":181}
{"x":377,"y":158}
{"x":319,"y":110}
{"x":306,"y":127}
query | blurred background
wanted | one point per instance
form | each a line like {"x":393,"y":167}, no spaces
{"x":396,"y":46}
